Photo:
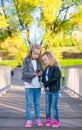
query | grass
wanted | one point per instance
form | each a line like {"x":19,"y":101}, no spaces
{"x":10,"y":63}
{"x":63,"y":62}
{"x":70,"y":62}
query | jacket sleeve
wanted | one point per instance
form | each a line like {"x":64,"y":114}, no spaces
{"x":56,"y":76}
{"x":43,"y":76}
{"x":26,"y":72}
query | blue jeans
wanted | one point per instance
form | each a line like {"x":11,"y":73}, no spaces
{"x":52,"y":100}
{"x":32,"y":96}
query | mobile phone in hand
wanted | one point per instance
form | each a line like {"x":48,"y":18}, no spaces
{"x":37,"y":70}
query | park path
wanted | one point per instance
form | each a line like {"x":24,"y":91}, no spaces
{"x":12,"y":109}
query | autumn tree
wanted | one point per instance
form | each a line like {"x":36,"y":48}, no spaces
{"x":12,"y":44}
{"x":59,"y":19}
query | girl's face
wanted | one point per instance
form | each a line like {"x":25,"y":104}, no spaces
{"x":45,"y":60}
{"x":35,"y":54}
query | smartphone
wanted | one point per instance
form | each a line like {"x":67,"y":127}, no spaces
{"x":37,"y":70}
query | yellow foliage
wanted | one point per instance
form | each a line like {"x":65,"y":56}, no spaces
{"x":55,"y":50}
{"x":33,"y":2}
{"x":3,"y":22}
{"x":50,"y":9}
{"x":15,"y":46}
{"x":30,"y":2}
{"x":77,"y":17}
{"x":80,"y":8}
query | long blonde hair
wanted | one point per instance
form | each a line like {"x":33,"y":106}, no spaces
{"x":32,"y":48}
{"x":52,"y":58}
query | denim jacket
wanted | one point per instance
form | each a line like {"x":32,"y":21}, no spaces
{"x":28,"y":70}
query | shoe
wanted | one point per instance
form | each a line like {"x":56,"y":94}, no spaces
{"x":38,"y":123}
{"x":56,"y":123}
{"x":48,"y":122}
{"x":28,"y":123}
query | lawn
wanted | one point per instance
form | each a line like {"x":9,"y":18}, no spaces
{"x":63,"y":62}
{"x":10,"y":63}
{"x":70,"y":62}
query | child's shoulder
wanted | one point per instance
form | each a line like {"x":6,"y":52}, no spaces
{"x":55,"y":67}
{"x":26,"y":59}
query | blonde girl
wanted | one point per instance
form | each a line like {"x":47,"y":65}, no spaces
{"x":51,"y":79}
{"x":31,"y":72}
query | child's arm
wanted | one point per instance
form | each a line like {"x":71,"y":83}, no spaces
{"x":26,"y":70}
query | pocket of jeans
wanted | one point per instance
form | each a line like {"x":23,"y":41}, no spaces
{"x":53,"y":88}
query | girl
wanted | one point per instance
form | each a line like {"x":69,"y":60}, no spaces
{"x":31,"y":77}
{"x":51,"y":80}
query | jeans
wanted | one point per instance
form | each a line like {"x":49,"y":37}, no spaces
{"x":52,"y":101}
{"x":32,"y":96}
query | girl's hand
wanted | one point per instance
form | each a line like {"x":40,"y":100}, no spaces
{"x":35,"y":73}
{"x":39,"y":73}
